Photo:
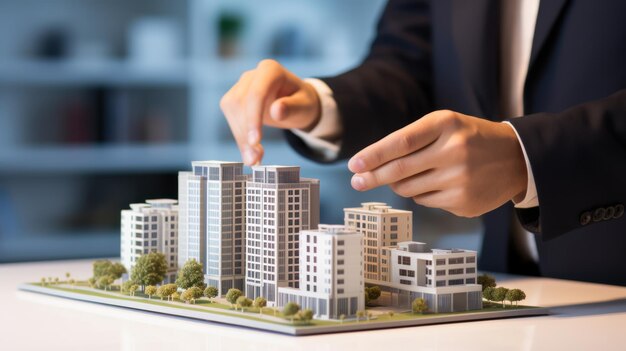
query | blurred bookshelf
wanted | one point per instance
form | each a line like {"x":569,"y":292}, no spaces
{"x":103,"y":102}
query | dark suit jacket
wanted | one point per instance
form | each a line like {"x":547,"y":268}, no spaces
{"x":443,"y":54}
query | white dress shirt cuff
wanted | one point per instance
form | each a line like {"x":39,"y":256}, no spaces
{"x":531,"y":199}
{"x":325,"y":137}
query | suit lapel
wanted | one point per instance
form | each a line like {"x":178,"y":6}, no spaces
{"x":475,"y":28}
{"x":549,"y":13}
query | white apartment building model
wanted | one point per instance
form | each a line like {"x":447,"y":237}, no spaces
{"x":331,"y":273}
{"x":279,"y":206}
{"x":150,"y":227}
{"x":212,"y":221}
{"x":445,"y":279}
{"x":259,"y":233}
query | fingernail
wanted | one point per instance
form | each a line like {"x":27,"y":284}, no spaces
{"x":249,"y":157}
{"x":277,"y":111}
{"x":254,"y":137}
{"x":358,"y":182}
{"x":356,"y":165}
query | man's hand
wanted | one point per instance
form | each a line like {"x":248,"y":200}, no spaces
{"x":268,"y":95}
{"x":462,"y":164}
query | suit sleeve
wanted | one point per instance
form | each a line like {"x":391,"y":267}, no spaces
{"x":578,"y":158}
{"x":392,"y":86}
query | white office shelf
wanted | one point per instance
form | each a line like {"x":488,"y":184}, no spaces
{"x":104,"y":73}
{"x":114,"y":158}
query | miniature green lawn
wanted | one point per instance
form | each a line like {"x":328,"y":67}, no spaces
{"x":204,"y":305}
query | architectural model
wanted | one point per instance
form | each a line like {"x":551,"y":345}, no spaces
{"x":255,"y":241}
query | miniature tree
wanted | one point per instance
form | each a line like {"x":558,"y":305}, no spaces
{"x":210,"y":292}
{"x":133,"y":288}
{"x":150,"y":290}
{"x":360,"y":314}
{"x":125,"y":288}
{"x":190,"y":275}
{"x":161,"y":292}
{"x":372,"y":293}
{"x":499,"y":294}
{"x":92,"y":282}
{"x":260,"y":303}
{"x":368,"y":315}
{"x":488,"y":293}
{"x":306,"y":315}
{"x":195,"y":293}
{"x":72,"y":282}
{"x":515,"y":295}
{"x":175,"y":296}
{"x":105,"y":282}
{"x":243,"y":302}
{"x":342,"y":317}
{"x":56,"y":280}
{"x":232,"y":295}
{"x":107,"y":268}
{"x":419,"y":305}
{"x":43,"y":281}
{"x":486,"y":281}
{"x":149,"y":269}
{"x":67,"y":276}
{"x":166,"y":291}
{"x":290,"y":310}
{"x":186,"y":296}
{"x":390,"y":314}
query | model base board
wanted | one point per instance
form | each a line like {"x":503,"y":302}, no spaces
{"x":279,"y":325}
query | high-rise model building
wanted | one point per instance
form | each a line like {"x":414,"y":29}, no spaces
{"x":150,"y":227}
{"x":212,"y":228}
{"x":381,"y":226}
{"x":279,"y":205}
{"x":331,"y":273}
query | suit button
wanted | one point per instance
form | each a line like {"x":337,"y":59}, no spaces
{"x":609,"y":212}
{"x":598,"y":214}
{"x":585,"y":218}
{"x":619,"y":211}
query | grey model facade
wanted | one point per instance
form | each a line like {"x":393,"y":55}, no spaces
{"x":212,"y":227}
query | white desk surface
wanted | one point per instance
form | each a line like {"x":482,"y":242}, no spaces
{"x":585,"y":317}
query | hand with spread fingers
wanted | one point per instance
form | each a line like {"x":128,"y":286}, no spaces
{"x":268,"y":95}
{"x":462,"y":164}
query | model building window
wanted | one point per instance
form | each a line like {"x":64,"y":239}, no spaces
{"x":470,"y":281}
{"x":340,"y":242}
{"x":455,"y":271}
{"x":405,"y":282}
{"x":441,"y":272}
{"x":471,"y":259}
{"x":470,"y":270}
{"x":411,"y":274}
{"x":441,"y":283}
{"x":457,"y":260}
